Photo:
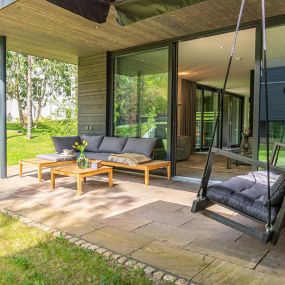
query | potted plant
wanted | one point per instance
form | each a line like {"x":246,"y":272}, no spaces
{"x":82,"y":160}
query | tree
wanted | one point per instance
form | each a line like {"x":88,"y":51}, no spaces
{"x":16,"y":81}
{"x":51,"y":79}
{"x":29,"y":97}
{"x":34,"y":81}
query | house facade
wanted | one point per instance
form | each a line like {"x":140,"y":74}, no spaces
{"x":162,"y":76}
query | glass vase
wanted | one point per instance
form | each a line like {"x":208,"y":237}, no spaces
{"x":82,"y":161}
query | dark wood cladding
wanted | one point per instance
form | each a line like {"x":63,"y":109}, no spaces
{"x":45,"y":30}
{"x":92,"y":78}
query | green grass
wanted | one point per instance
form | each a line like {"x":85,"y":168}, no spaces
{"x":19,"y":147}
{"x":281,"y":157}
{"x":29,"y":256}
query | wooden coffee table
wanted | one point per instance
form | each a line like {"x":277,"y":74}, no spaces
{"x":80,"y":174}
{"x":41,"y":163}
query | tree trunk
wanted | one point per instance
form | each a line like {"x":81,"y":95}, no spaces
{"x":39,"y":111}
{"x":21,"y":115}
{"x":29,"y":98}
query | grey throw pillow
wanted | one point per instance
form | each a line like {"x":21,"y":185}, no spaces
{"x":112,"y":144}
{"x":61,"y":143}
{"x":140,"y":145}
{"x":94,"y":142}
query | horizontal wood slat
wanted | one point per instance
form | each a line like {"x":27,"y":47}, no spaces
{"x":92,"y":94}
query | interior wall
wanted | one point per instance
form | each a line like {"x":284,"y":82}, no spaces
{"x":92,"y":81}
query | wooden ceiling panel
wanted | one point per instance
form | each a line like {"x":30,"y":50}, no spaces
{"x":40,"y":28}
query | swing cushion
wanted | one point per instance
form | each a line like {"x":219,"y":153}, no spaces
{"x":246,"y":193}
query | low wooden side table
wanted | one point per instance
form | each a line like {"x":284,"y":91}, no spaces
{"x":41,"y":163}
{"x":80,"y":174}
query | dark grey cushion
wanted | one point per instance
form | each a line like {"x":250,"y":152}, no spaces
{"x":243,"y":193}
{"x":140,"y":145}
{"x":98,"y":155}
{"x":61,"y":143}
{"x":277,"y":195}
{"x":94,"y":142}
{"x":112,"y":145}
{"x":55,"y":157}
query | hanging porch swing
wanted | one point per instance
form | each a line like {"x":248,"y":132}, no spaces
{"x":258,"y":195}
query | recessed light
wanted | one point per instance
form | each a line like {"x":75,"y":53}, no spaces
{"x":238,"y":58}
{"x":183,"y":73}
{"x":221,"y":47}
{"x":97,"y":27}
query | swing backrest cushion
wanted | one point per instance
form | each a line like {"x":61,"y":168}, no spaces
{"x":247,"y":194}
{"x":277,"y":191}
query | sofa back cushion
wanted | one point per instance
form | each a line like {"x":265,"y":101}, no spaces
{"x":61,"y":143}
{"x":112,"y":144}
{"x":94,"y":142}
{"x":140,"y":146}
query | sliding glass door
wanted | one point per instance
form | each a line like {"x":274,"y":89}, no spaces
{"x":207,"y":102}
{"x":140,"y":107}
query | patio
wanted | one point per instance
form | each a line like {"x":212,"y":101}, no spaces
{"x":153,"y":225}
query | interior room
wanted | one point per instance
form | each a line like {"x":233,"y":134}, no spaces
{"x":202,"y":67}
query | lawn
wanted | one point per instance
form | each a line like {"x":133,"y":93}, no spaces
{"x":29,"y":256}
{"x":19,"y":147}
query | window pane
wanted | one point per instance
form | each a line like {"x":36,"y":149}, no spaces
{"x":141,"y":97}
{"x":276,"y":83}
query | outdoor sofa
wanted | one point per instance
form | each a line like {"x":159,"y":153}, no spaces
{"x":104,"y":148}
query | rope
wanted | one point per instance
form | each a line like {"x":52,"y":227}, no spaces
{"x":202,"y":192}
{"x":269,"y":225}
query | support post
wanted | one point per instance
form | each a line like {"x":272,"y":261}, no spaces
{"x":3,"y":133}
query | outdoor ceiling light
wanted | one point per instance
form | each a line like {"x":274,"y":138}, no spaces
{"x":183,"y":73}
{"x":238,"y":58}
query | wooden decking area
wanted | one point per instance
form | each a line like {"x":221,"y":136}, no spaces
{"x":152,"y":224}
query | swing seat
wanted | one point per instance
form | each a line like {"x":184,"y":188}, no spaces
{"x":247,"y":194}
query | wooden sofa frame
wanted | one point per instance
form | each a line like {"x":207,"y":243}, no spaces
{"x":146,"y":167}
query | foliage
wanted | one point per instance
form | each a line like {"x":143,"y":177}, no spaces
{"x":51,"y":80}
{"x":80,"y":146}
{"x":138,"y":100}
{"x":30,"y":256}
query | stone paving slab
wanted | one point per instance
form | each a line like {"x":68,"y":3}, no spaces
{"x":162,"y":232}
{"x":75,"y":226}
{"x":176,"y":260}
{"x":42,"y":213}
{"x":125,"y":222}
{"x":244,"y":254}
{"x":222,"y":272}
{"x":202,"y":226}
{"x":164,"y":217}
{"x":274,"y":261}
{"x":117,"y":240}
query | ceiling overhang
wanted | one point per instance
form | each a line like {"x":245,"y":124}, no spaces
{"x":43,"y":29}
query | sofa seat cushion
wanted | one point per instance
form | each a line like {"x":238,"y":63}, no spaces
{"x":94,"y":142}
{"x":98,"y":155}
{"x":55,"y":157}
{"x":112,"y":145}
{"x":61,"y":143}
{"x":131,"y":159}
{"x":140,"y":145}
{"x":244,"y":193}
